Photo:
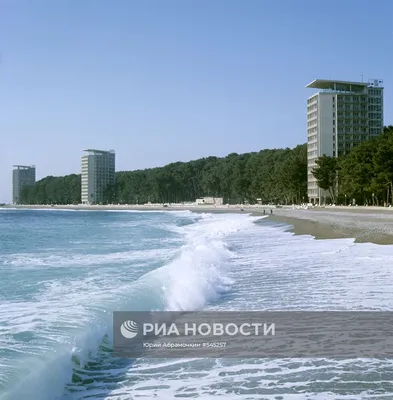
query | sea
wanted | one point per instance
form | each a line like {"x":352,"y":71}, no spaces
{"x":64,"y":272}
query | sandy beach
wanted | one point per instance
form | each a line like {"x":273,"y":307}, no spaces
{"x":364,"y":224}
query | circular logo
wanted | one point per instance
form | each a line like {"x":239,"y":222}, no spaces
{"x":129,"y":329}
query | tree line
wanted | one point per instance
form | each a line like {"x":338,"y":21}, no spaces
{"x":274,"y":175}
{"x":365,"y":174}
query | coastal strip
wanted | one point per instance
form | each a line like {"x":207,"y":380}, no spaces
{"x":254,"y":209}
{"x":362,"y":224}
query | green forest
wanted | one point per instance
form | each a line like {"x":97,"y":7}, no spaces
{"x":275,"y":176}
{"x":365,"y":173}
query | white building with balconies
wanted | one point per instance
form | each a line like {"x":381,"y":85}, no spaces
{"x":339,"y":116}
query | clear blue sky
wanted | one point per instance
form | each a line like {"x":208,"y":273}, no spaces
{"x":164,"y":81}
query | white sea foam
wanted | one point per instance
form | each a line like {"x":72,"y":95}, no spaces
{"x":275,"y":270}
{"x":61,"y":260}
{"x":71,"y":315}
{"x":199,"y":274}
{"x":224,"y":257}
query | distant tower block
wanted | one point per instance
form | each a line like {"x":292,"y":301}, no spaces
{"x":98,"y":171}
{"x":22,"y":175}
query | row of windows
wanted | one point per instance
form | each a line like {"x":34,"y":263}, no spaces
{"x":312,"y":123}
{"x":349,"y":131}
{"x":350,"y":114}
{"x":312,"y":115}
{"x":374,"y":115}
{"x":352,"y":122}
{"x":311,"y":130}
{"x":104,"y":164}
{"x":352,"y":99}
{"x":375,"y":131}
{"x":351,"y":137}
{"x":359,"y":130}
{"x":347,"y":146}
{"x":313,"y":99}
{"x":375,"y":100}
{"x":355,"y":107}
{"x":374,"y":92}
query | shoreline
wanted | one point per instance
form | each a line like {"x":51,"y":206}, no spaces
{"x":363,"y":224}
{"x":192,"y":206}
{"x":254,"y":210}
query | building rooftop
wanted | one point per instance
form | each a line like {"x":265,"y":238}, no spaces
{"x":329,"y":83}
{"x":99,"y":151}
{"x":24,"y":166}
{"x":343,"y":86}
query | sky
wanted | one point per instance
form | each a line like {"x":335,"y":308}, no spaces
{"x":174,"y":80}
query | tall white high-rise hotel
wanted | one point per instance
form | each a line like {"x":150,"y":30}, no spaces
{"x":98,"y":172}
{"x":339,"y":116}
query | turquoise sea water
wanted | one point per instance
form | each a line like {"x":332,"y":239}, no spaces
{"x":63,"y":273}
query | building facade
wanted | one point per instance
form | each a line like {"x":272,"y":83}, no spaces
{"x":98,"y":173}
{"x":22,"y":175}
{"x":339,"y":116}
{"x":217,"y":201}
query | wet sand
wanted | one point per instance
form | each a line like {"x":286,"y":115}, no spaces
{"x":363,"y":225}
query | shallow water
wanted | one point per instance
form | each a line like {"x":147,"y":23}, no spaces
{"x":62,"y":273}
